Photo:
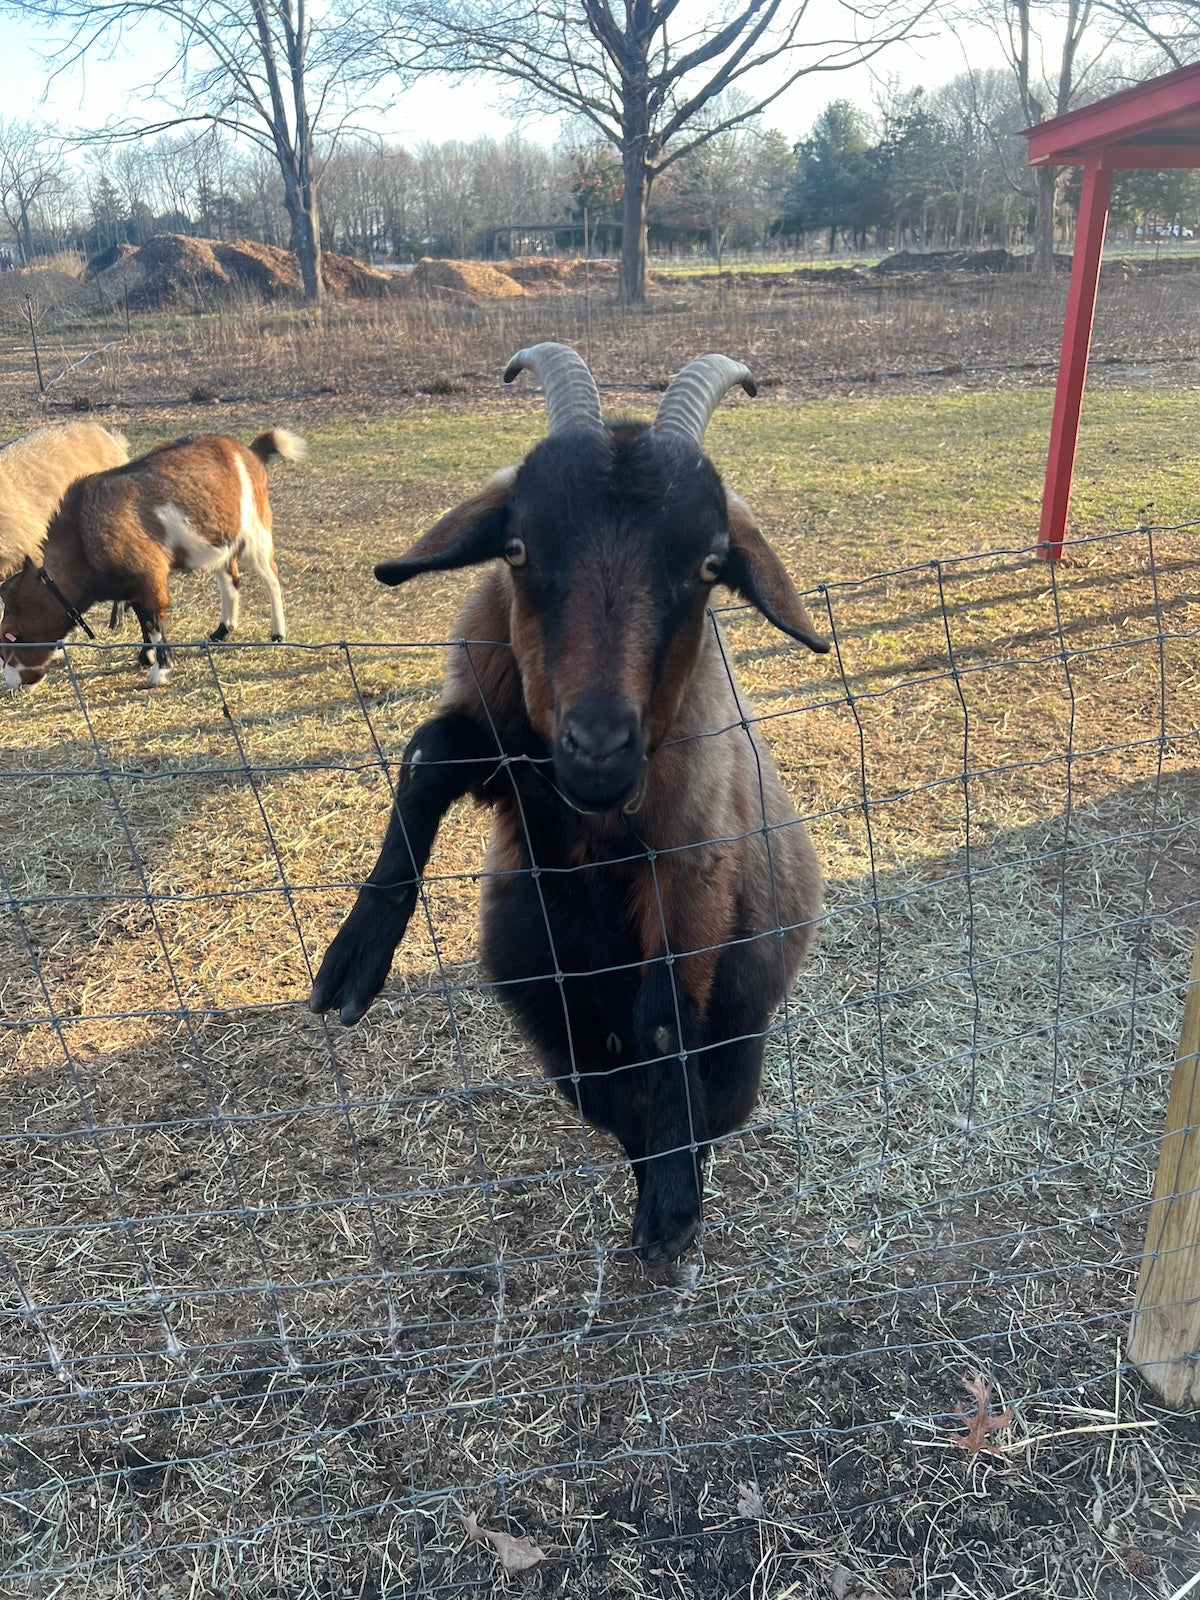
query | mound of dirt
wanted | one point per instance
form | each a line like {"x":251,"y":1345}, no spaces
{"x":456,"y":279}
{"x":950,"y":261}
{"x":559,"y":274}
{"x":172,"y":269}
{"x":593,"y":272}
{"x":831,"y":275}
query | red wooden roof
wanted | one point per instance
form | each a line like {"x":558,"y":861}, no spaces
{"x":1153,"y":125}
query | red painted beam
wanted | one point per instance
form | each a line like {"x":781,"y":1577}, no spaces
{"x":1135,"y":110}
{"x":1072,"y":366}
{"x":1132,"y":157}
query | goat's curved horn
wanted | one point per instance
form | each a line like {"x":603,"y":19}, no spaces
{"x":694,"y":394}
{"x":572,"y":399}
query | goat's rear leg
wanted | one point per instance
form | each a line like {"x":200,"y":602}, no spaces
{"x":262,"y":558}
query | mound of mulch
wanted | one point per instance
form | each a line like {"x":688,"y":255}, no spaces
{"x":171,"y":269}
{"x":605,"y":273}
{"x":348,"y":278}
{"x":456,"y":279}
{"x":167,"y":268}
{"x":263,"y":268}
{"x":108,"y":258}
{"x":559,"y":274}
{"x":541,"y":271}
{"x":950,"y":261}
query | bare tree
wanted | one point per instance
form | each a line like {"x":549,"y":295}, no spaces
{"x":1053,"y":48}
{"x":277,"y":72}
{"x":1169,"y":26}
{"x":637,"y":70}
{"x":733,"y":186}
{"x":982,"y":164}
{"x":30,"y":166}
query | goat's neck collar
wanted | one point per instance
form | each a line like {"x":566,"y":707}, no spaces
{"x":74,"y":614}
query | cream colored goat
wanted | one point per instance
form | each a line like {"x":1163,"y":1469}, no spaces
{"x":36,"y":471}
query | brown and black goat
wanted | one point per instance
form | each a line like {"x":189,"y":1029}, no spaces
{"x":649,"y":891}
{"x":118,"y":535}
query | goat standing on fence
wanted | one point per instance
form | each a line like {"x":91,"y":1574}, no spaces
{"x":649,"y":891}
{"x":118,"y":535}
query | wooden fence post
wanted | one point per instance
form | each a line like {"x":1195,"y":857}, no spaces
{"x":1164,"y":1340}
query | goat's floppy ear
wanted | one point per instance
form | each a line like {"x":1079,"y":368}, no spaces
{"x":754,"y":570}
{"x":472,"y":532}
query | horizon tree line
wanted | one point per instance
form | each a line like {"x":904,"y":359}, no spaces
{"x":918,"y":171}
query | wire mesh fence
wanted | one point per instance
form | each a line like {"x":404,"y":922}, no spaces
{"x":298,"y":1311}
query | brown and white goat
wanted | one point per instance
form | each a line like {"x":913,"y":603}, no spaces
{"x":649,"y":891}
{"x":36,"y":470}
{"x":118,"y":536}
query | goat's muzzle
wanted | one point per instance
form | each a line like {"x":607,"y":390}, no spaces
{"x":25,"y":665}
{"x":599,"y":754}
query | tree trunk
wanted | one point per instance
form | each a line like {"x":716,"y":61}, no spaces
{"x":306,"y":245}
{"x":1043,"y":226}
{"x":25,"y":238}
{"x":634,"y":207}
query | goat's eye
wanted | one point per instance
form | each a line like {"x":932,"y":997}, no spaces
{"x":514,"y":552}
{"x":710,"y":569}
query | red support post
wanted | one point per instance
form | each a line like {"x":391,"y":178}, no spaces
{"x":1072,"y":366}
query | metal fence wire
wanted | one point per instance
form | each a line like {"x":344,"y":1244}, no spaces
{"x":293,"y":1311}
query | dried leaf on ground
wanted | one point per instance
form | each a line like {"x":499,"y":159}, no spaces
{"x":846,"y":1586}
{"x":749,"y":1501}
{"x":980,"y":1422}
{"x":514,"y":1555}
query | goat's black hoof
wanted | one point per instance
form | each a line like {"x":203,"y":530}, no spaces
{"x":668,"y":1217}
{"x":276,"y":638}
{"x":357,"y":963}
{"x":220,"y":634}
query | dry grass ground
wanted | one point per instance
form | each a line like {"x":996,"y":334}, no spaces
{"x":284,"y":1301}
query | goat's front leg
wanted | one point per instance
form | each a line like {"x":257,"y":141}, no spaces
{"x":677,"y":911}
{"x":443,"y":759}
{"x":154,"y":653}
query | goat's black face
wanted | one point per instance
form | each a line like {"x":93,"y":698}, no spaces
{"x":614,"y":541}
{"x":614,"y":537}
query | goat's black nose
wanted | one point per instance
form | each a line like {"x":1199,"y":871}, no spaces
{"x":598,"y":736}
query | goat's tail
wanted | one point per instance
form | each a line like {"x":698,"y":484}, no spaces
{"x":279,"y":442}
